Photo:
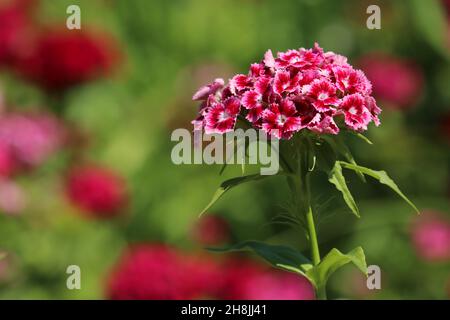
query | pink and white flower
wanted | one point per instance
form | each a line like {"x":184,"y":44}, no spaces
{"x":284,"y":81}
{"x":324,"y":124}
{"x":357,"y":116}
{"x":351,"y":81}
{"x":281,"y":120}
{"x":239,"y":83}
{"x":323,"y":94}
{"x":222,"y":116}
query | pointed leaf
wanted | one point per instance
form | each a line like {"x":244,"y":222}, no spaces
{"x":362,"y":137}
{"x":340,"y":147}
{"x":231,"y":183}
{"x":332,"y":262}
{"x":337,"y":178}
{"x":282,"y":257}
{"x":222,"y":169}
{"x":382,"y":177}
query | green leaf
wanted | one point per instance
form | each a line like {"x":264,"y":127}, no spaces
{"x":333,"y":261}
{"x":231,"y":183}
{"x":337,"y":178}
{"x":340,"y":147}
{"x":362,"y":137}
{"x":282,"y":257}
{"x":326,"y":157}
{"x":222,"y":169}
{"x":382,"y":177}
{"x":429,"y":19}
{"x":228,"y":184}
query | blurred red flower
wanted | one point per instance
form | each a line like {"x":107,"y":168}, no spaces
{"x":247,"y":280}
{"x":99,"y":192}
{"x":16,"y":30}
{"x":62,"y":59}
{"x":211,"y":230}
{"x":394,"y":80}
{"x":446,"y":4}
{"x":431,"y":237}
{"x":158,"y":272}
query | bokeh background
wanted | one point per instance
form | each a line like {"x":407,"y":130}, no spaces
{"x":85,"y":172}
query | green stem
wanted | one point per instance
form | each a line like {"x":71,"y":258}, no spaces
{"x":321,"y":293}
{"x":314,"y":245}
{"x":302,"y":188}
{"x":315,"y":255}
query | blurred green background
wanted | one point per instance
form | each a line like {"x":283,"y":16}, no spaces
{"x":170,"y":49}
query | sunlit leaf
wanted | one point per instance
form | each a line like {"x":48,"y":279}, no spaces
{"x":332,"y":262}
{"x":382,"y":177}
{"x":337,"y":178}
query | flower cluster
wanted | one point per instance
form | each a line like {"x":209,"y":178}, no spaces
{"x":299,"y":89}
{"x":154,"y":272}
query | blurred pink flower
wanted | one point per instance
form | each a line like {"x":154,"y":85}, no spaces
{"x":156,"y":272}
{"x":12,"y":198}
{"x":211,"y":230}
{"x":394,"y":80}
{"x":431,"y":237}
{"x":30,"y":138}
{"x":98,"y":191}
{"x":247,"y":280}
{"x":6,"y":161}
